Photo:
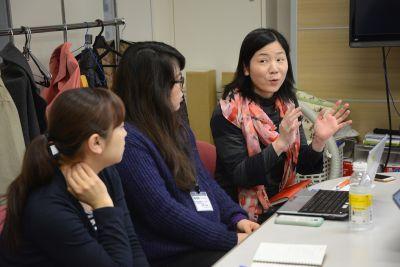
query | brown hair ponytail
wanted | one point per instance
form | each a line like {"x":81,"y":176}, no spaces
{"x":36,"y":163}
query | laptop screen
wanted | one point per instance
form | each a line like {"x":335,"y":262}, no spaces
{"x":374,"y":156}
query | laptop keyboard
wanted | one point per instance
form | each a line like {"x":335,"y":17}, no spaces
{"x":326,"y":202}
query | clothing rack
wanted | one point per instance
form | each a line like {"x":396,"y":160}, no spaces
{"x":62,"y":27}
{"x":66,"y":27}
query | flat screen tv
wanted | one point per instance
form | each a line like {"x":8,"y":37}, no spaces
{"x":374,"y":23}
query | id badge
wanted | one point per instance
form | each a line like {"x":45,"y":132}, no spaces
{"x":201,"y":201}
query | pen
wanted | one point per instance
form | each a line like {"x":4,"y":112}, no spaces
{"x":342,"y":184}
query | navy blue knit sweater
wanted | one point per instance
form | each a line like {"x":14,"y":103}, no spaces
{"x":166,"y":219}
{"x":56,"y":230}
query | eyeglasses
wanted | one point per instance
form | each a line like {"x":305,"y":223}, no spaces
{"x":181,"y":81}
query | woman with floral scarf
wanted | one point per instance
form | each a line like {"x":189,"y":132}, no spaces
{"x":257,"y":129}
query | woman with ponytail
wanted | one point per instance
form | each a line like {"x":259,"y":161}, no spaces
{"x":66,"y":208}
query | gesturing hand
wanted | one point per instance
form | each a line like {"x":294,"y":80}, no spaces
{"x":329,"y":122}
{"x":84,"y":184}
{"x":288,"y":129}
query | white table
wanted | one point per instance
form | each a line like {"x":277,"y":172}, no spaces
{"x":377,"y":247}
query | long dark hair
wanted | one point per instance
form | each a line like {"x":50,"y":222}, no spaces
{"x":144,"y":80}
{"x":254,"y":41}
{"x":74,"y":116}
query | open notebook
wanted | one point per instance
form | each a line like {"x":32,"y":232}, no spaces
{"x":277,"y":254}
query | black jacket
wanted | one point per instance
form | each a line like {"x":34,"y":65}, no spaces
{"x":236,"y":169}
{"x":57,"y":231}
{"x":18,"y":79}
{"x":90,"y":66}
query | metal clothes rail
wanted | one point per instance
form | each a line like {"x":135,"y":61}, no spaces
{"x":63,"y":27}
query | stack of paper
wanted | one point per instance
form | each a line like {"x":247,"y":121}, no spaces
{"x":373,"y":139}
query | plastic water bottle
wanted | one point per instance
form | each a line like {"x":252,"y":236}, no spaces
{"x":360,"y":197}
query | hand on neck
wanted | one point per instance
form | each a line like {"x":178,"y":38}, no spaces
{"x":94,"y":164}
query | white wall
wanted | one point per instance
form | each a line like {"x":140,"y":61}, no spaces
{"x":80,"y":11}
{"x":208,"y":32}
{"x":163,"y":21}
{"x":137,"y":14}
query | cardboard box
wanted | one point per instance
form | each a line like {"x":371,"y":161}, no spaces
{"x":201,"y":102}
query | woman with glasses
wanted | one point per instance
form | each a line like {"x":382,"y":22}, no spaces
{"x":182,"y":216}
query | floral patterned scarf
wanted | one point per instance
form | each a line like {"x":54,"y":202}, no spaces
{"x":257,"y":126}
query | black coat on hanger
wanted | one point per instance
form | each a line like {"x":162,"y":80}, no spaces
{"x":91,"y":67}
{"x":101,"y":43}
{"x":18,"y":79}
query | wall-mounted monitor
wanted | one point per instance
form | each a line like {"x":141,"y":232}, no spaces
{"x":374,"y":23}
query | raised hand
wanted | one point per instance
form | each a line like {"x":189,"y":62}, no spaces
{"x":329,"y":122}
{"x":288,"y":129}
{"x":84,"y":184}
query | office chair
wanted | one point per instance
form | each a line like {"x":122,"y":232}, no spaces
{"x":208,"y":155}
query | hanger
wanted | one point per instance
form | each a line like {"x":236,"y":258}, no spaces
{"x":27,"y":52}
{"x":88,"y":49}
{"x":100,"y":42}
{"x":12,"y":35}
{"x":65,"y":33}
{"x":88,"y":41}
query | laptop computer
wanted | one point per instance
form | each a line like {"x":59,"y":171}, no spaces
{"x":329,"y":204}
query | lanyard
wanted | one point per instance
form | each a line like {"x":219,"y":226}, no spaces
{"x":197,"y":187}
